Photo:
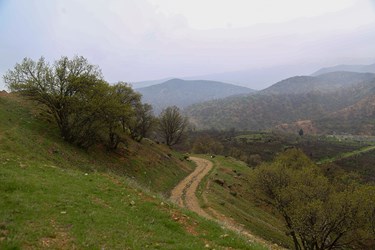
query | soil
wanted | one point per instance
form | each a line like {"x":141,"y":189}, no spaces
{"x":184,"y":193}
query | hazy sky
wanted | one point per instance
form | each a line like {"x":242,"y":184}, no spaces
{"x":135,"y":40}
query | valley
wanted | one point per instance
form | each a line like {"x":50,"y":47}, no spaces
{"x":168,"y":182}
{"x":187,"y":125}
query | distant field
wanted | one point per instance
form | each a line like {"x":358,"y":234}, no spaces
{"x":316,"y":147}
{"x":350,"y":153}
{"x":362,"y":163}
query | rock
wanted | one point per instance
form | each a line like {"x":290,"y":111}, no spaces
{"x":234,"y":193}
{"x":224,"y":235}
{"x":220,"y":182}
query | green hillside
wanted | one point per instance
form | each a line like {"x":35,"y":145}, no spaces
{"x":226,"y":190}
{"x":56,"y":196}
{"x":263,"y":111}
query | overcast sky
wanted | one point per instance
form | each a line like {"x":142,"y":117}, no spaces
{"x":134,"y":40}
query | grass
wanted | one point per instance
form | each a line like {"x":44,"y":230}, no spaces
{"x":347,"y":155}
{"x":48,"y":207}
{"x":22,"y":133}
{"x":234,"y":200}
{"x":56,"y":196}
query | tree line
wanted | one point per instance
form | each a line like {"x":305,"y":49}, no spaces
{"x":86,"y":108}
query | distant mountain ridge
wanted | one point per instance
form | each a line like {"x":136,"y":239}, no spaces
{"x":254,"y":78}
{"x":323,"y":83}
{"x":351,"y":68}
{"x":183,"y":93}
{"x":143,"y":84}
{"x":339,"y":102}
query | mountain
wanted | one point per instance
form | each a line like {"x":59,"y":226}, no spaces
{"x":353,"y":68}
{"x":257,"y":78}
{"x":262,"y":111}
{"x":183,"y":93}
{"x":358,"y":119}
{"x":142,"y":84}
{"x":323,"y":83}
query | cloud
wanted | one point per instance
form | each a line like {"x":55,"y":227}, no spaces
{"x":139,"y":39}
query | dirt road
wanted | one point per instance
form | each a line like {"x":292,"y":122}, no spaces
{"x":184,"y":195}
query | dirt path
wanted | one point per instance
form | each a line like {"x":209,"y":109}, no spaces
{"x":184,"y":195}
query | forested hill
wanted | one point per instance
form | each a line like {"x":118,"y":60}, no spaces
{"x":183,"y":93}
{"x":263,"y":111}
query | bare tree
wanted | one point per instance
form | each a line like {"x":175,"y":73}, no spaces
{"x":172,"y":125}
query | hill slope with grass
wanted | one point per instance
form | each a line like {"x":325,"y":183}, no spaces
{"x":54,"y":195}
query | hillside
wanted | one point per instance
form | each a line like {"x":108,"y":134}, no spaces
{"x":323,"y":83}
{"x":353,"y":68}
{"x":355,"y":119}
{"x":22,"y":129}
{"x":182,"y":93}
{"x":267,"y":111}
{"x":57,"y":196}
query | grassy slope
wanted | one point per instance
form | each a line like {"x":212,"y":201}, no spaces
{"x":54,"y":195}
{"x":22,"y":133}
{"x":234,"y":200}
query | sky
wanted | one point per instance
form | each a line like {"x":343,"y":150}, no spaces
{"x":136,"y":40}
